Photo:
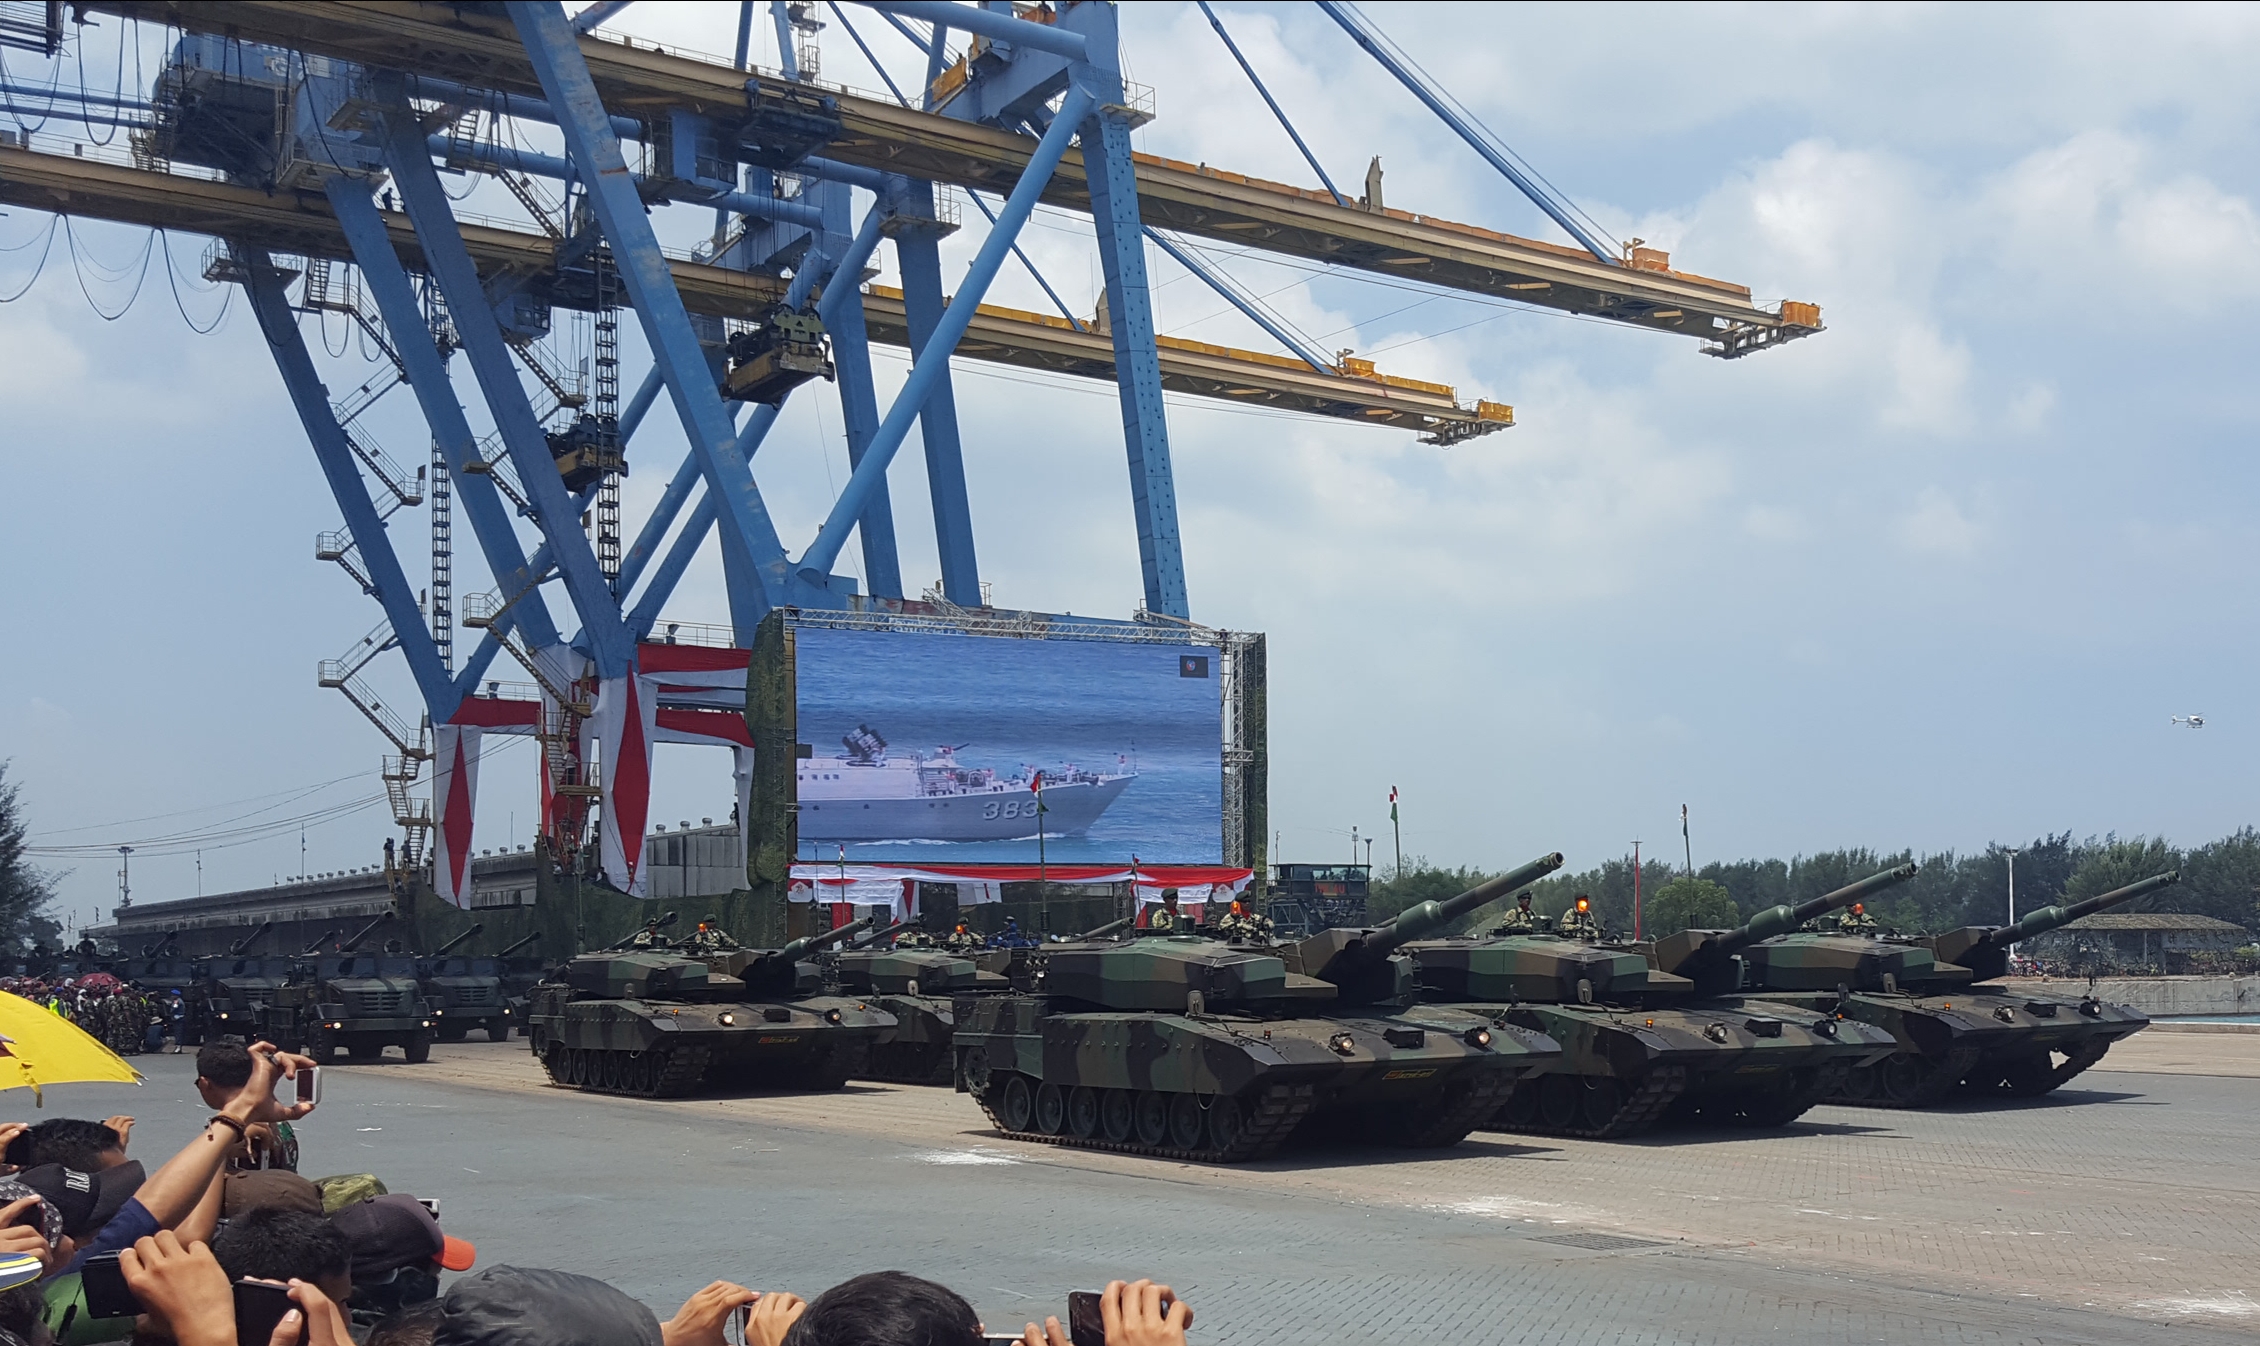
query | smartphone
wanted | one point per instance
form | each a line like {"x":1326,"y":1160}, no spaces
{"x":259,"y":1305}
{"x":1085,"y":1325}
{"x":107,"y":1294}
{"x":430,"y":1203}
{"x":740,"y":1318}
{"x":309,"y":1082}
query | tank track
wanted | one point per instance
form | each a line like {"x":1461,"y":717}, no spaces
{"x":1824,"y":1083}
{"x":1934,"y":1084}
{"x":1487,"y":1094}
{"x":1641,"y":1110}
{"x":1273,"y":1115}
{"x":2022,"y":1081}
{"x":678,"y":1072}
{"x":910,"y":1063}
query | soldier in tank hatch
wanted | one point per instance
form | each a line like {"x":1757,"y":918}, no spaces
{"x":1243,"y":926}
{"x":1520,"y":920}
{"x":648,"y":937}
{"x":1579,"y":922}
{"x":1856,"y":920}
{"x":710,"y":937}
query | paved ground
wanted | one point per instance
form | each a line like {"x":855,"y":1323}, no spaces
{"x":2119,"y":1211}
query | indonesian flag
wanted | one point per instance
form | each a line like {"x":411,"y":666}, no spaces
{"x":625,"y":713}
{"x":455,"y":789}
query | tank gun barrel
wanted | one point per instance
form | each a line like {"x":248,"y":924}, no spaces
{"x":1415,"y":921}
{"x":878,"y":936}
{"x":1781,"y":920}
{"x":442,"y":950}
{"x":519,"y":945}
{"x":363,"y":933}
{"x":309,"y":949}
{"x":808,"y":944}
{"x":2048,"y":918}
{"x":1101,"y":932}
{"x":243,"y":945}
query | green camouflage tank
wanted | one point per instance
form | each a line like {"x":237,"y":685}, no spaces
{"x":1952,"y":1032}
{"x":660,"y":1023}
{"x":1637,"y":1047}
{"x":1186,"y":1047}
{"x":920,"y":986}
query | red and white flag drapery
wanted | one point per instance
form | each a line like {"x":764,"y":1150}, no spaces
{"x":455,"y":790}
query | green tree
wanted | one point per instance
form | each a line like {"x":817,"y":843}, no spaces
{"x":2112,"y":863}
{"x":1690,"y":904}
{"x":1419,"y":882}
{"x":2222,"y":879}
{"x":24,"y":889}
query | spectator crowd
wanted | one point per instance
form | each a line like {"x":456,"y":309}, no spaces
{"x":225,"y":1242}
{"x":127,"y":1019}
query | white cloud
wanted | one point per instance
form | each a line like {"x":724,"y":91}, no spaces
{"x":1936,"y":526}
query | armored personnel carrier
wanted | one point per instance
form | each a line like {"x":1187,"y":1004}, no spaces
{"x":1951,"y":1030}
{"x":1185,"y":1047}
{"x":464,"y":993}
{"x":1637,"y":1045}
{"x":660,"y":1022}
{"x":363,"y":1002}
{"x":921,"y":988}
{"x":232,"y":996}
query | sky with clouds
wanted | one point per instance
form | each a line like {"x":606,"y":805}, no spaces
{"x":1937,"y":576}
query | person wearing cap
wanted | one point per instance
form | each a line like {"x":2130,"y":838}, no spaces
{"x":186,"y":1181}
{"x":398,"y":1249}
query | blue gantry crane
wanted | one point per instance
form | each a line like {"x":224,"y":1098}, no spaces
{"x":310,"y":133}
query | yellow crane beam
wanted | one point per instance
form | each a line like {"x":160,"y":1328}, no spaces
{"x":476,"y":45}
{"x":300,"y":223}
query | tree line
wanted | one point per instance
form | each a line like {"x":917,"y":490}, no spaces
{"x":2219,"y":879}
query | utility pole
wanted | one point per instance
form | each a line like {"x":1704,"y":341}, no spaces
{"x":1636,"y":888}
{"x":1353,"y":843}
{"x":125,"y":876}
{"x":1685,"y":842}
{"x":1369,"y":856}
{"x":2012,"y":890}
{"x":200,"y":871}
{"x":1396,"y":833}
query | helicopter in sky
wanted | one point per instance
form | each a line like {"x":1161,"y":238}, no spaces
{"x":2193,"y":721}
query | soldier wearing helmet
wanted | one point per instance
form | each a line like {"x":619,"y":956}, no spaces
{"x":710,"y":937}
{"x":1856,"y":920}
{"x":1520,"y":921}
{"x":1579,"y":922}
{"x":1243,"y":926}
{"x":962,"y":940}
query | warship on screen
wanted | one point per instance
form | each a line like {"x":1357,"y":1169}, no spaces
{"x":864,"y":793}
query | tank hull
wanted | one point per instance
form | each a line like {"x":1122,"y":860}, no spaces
{"x":1625,"y":1071}
{"x":1982,"y":1041}
{"x":1231,"y":1087}
{"x":919,"y":1052}
{"x":669,"y":1049}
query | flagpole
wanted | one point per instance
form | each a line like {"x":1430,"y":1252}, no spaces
{"x":1043,"y":873}
{"x":1636,"y":889}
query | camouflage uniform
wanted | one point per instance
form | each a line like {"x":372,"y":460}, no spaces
{"x":1519,"y":921}
{"x":914,"y":938}
{"x":710,"y":937}
{"x":962,"y":940}
{"x":1856,"y":923}
{"x":1577,"y":924}
{"x":1242,"y":926}
{"x":648,"y":937}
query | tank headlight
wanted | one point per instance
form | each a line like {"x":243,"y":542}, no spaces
{"x":1479,"y":1037}
{"x":832,"y":1016}
{"x":1826,"y":1028}
{"x":729,"y":1020}
{"x":1716,"y":1032}
{"x":1343,"y":1043}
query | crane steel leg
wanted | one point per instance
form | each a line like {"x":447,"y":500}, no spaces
{"x":427,"y":376}
{"x":457,"y":275}
{"x":859,"y":397}
{"x":1137,"y":365}
{"x":388,"y":583}
{"x":595,"y":152}
{"x":918,"y":255}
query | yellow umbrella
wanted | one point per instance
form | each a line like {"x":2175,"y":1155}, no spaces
{"x":39,"y":1047}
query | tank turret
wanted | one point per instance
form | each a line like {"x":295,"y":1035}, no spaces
{"x":449,"y":947}
{"x":1358,"y":961}
{"x":1984,"y":950}
{"x":1704,"y":956}
{"x":768,"y":972}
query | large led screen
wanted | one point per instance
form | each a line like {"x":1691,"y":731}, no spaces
{"x":927,"y":746}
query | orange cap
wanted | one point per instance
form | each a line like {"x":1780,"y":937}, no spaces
{"x":456,"y":1254}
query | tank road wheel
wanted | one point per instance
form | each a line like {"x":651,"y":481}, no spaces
{"x":973,"y":1068}
{"x":1899,"y":1076}
{"x":1153,"y":1117}
{"x":1051,"y":1108}
{"x":615,"y":1071}
{"x":418,"y":1050}
{"x":1118,"y":1115}
{"x":1017,"y":1107}
{"x":553,"y":1061}
{"x":1083,"y":1112}
{"x":1521,"y":1110}
{"x":1560,"y":1099}
{"x":1227,"y":1122}
{"x":643,"y":1074}
{"x":1188,"y":1122}
{"x":1860,"y":1085}
{"x":1601,"y":1101}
